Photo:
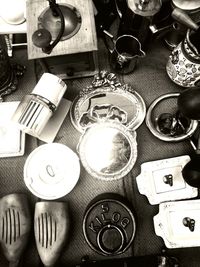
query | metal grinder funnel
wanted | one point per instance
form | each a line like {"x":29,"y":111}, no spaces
{"x":51,"y":227}
{"x":15,"y":226}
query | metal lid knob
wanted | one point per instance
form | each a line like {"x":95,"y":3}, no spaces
{"x":41,"y":38}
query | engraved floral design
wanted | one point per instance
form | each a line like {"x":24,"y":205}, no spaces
{"x":175,"y":57}
{"x":181,"y":69}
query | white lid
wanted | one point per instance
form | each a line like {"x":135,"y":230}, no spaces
{"x":13,"y":11}
{"x":50,"y":87}
{"x":51,"y":171}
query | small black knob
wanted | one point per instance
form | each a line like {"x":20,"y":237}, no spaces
{"x":41,"y":38}
{"x":168,"y":179}
{"x":190,"y":223}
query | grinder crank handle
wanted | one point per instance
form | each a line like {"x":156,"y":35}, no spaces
{"x":42,"y":38}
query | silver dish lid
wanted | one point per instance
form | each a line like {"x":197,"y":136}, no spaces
{"x":108,"y":150}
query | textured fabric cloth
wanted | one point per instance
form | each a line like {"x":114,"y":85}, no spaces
{"x":150,"y":80}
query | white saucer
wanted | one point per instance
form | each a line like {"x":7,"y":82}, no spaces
{"x":51,"y":171}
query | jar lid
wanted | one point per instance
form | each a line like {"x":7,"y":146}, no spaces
{"x":51,"y":88}
{"x":51,"y":171}
{"x":108,"y":150}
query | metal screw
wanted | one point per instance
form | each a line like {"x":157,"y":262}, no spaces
{"x":168,"y":179}
{"x":190,"y":223}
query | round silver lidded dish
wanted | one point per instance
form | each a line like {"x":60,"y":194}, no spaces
{"x":108,"y":150}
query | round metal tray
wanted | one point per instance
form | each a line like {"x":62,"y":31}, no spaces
{"x":108,"y":150}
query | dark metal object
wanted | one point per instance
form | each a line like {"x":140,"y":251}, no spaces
{"x":191,"y":171}
{"x":133,"y":24}
{"x":182,"y":17}
{"x":15,"y":226}
{"x":190,"y":223}
{"x":173,"y":124}
{"x":173,"y":128}
{"x":109,"y":225}
{"x":168,"y":179}
{"x":104,"y":16}
{"x":9,"y":74}
{"x":150,"y":261}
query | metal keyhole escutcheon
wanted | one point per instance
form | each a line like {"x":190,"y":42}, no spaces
{"x":190,"y":223}
{"x":168,"y":179}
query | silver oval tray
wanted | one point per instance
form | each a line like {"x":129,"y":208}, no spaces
{"x":178,"y":223}
{"x":106,"y":91}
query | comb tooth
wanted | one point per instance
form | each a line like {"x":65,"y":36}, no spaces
{"x":3,"y":228}
{"x":42,"y":229}
{"x":7,"y":226}
{"x":53,"y":230}
{"x":10,"y":226}
{"x":50,"y":230}
{"x":14,"y":226}
{"x":19,"y":224}
{"x":39,"y":229}
{"x":55,"y":224}
{"x":46,"y":229}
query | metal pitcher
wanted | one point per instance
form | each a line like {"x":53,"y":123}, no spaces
{"x":124,"y":53}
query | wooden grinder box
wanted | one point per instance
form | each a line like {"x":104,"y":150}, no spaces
{"x":73,"y":57}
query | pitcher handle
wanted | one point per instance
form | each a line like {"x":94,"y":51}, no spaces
{"x":111,"y":38}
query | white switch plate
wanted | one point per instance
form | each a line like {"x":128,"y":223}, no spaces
{"x":169,"y":223}
{"x":12,"y":140}
{"x":151,"y":181}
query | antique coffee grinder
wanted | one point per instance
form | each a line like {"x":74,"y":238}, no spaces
{"x":64,"y":36}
